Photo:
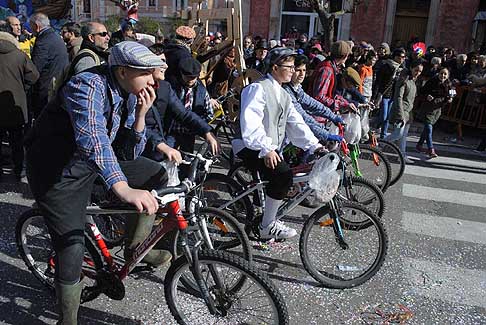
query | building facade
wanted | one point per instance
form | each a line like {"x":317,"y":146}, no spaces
{"x":452,"y":23}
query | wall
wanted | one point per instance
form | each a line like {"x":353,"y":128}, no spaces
{"x":454,"y":24}
{"x":260,"y":18}
{"x":368,"y":23}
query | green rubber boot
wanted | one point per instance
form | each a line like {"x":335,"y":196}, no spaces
{"x":68,"y":298}
{"x":138,"y":228}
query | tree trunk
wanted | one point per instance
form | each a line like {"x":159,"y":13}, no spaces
{"x":326,"y":19}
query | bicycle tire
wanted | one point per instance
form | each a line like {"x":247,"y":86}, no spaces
{"x":245,"y":252}
{"x":327,"y":277}
{"x":395,"y":157}
{"x":40,"y":268}
{"x":215,"y":183}
{"x":375,"y":196}
{"x":230,"y":262}
{"x":112,"y":229}
{"x":383,"y":176}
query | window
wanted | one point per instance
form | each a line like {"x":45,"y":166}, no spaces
{"x":298,"y":18}
{"x":152,"y":3}
{"x":87,"y":6}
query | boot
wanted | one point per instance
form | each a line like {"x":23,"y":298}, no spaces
{"x":68,"y":298}
{"x":432,"y":153}
{"x":138,"y":228}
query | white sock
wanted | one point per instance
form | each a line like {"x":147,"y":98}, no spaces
{"x":270,"y":213}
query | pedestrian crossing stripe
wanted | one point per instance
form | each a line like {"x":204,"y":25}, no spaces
{"x":444,"y":195}
{"x":452,"y":175}
{"x":444,"y":227}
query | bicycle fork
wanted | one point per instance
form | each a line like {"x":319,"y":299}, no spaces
{"x":336,"y":224}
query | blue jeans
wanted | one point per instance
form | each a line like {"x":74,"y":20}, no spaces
{"x":386,"y":104}
{"x":400,"y":134}
{"x":426,"y":136}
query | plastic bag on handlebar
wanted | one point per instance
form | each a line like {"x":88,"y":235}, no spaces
{"x":172,"y":172}
{"x":365,"y":123}
{"x":324,"y":179}
{"x":352,"y":134}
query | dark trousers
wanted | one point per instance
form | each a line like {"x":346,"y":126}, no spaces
{"x":280,"y":179}
{"x":64,"y":204}
{"x":15,"y":138}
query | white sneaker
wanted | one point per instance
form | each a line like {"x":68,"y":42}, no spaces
{"x":277,"y":230}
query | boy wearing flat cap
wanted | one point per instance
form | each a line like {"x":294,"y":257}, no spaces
{"x":94,"y":127}
{"x":267,"y":117}
{"x":194,"y":96}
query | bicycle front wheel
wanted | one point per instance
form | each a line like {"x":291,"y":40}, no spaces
{"x":374,"y":165}
{"x":395,"y":157}
{"x":257,"y":302}
{"x":348,"y":261}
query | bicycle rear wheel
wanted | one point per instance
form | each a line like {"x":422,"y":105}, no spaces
{"x":257,"y":302}
{"x":374,"y":166}
{"x":395,"y":157}
{"x":219,"y":189}
{"x":335,"y":265}
{"x":35,"y":247}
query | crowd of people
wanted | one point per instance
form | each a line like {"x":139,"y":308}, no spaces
{"x":85,"y":106}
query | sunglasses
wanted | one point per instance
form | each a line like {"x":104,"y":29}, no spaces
{"x":102,"y":34}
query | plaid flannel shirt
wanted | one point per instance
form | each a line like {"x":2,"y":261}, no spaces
{"x":85,"y":98}
{"x":321,"y":87}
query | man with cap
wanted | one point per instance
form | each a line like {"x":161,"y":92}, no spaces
{"x":167,"y":108}
{"x":257,"y":61}
{"x":267,"y":116}
{"x":194,"y":97}
{"x":323,"y":86}
{"x":95,"y":127}
{"x":179,"y":48}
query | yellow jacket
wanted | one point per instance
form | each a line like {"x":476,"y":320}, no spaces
{"x":27,"y":45}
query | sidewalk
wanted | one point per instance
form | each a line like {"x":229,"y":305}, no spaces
{"x":443,"y":145}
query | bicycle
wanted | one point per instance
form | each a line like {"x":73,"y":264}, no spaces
{"x":222,"y":281}
{"x":239,"y":204}
{"x":392,"y":153}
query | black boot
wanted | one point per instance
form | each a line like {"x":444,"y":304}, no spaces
{"x":138,"y":228}
{"x":68,"y":299}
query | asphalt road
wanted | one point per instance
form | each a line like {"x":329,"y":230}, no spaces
{"x":435,"y":267}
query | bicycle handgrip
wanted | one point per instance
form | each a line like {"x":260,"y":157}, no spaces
{"x":181,"y":188}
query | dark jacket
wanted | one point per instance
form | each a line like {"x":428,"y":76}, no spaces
{"x":199,"y":104}
{"x":386,"y":77}
{"x":430,"y":112}
{"x":251,"y":63}
{"x":51,"y":58}
{"x":174,"y":52}
{"x":167,"y":108}
{"x":17,"y":72}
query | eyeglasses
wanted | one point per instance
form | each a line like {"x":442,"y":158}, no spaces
{"x":291,"y":67}
{"x":102,"y":34}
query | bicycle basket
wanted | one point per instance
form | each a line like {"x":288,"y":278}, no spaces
{"x":324,"y":179}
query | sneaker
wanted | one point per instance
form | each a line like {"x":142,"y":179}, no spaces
{"x":432,"y":153}
{"x":419,"y":148}
{"x":408,"y":161}
{"x":277,"y":230}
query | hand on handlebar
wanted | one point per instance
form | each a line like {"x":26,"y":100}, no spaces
{"x":213,"y":143}
{"x":141,"y":199}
